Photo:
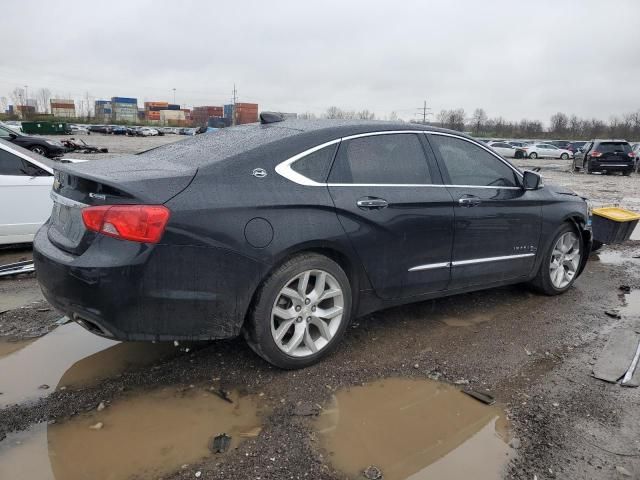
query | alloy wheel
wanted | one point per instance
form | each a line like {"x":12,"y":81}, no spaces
{"x":307,"y":313}
{"x":38,"y":150}
{"x":565,"y":260}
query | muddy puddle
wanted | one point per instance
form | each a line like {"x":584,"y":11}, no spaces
{"x":467,"y":321}
{"x":614,"y":257}
{"x":69,"y":356}
{"x":143,"y":436}
{"x":415,"y":430}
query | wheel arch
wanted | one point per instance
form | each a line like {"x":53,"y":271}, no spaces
{"x":347,"y":261}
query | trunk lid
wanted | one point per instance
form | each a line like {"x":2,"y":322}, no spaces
{"x":108,"y":182}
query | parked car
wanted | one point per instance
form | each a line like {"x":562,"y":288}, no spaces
{"x":635,"y":148}
{"x":315,"y":223}
{"x":605,"y":156}
{"x":40,"y":145}
{"x":517,"y":143}
{"x":100,"y":129}
{"x":562,"y":144}
{"x":78,"y":129}
{"x":546,"y":150}
{"x":573,"y":147}
{"x":507,"y":150}
{"x":119,"y":130}
{"x":147,"y":132}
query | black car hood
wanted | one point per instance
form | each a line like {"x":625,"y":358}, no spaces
{"x":560,"y":189}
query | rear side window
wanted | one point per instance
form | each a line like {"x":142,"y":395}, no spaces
{"x":611,"y":147}
{"x":316,"y":165}
{"x":469,"y":164}
{"x":381,"y":159}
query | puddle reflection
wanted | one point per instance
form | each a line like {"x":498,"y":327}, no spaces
{"x":143,"y":436}
{"x":414,"y":429}
{"x":69,"y":356}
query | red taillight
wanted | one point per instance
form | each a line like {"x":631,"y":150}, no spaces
{"x":595,"y":154}
{"x":138,"y":223}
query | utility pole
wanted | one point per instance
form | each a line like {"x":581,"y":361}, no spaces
{"x":425,"y":112}
{"x":233,"y":101}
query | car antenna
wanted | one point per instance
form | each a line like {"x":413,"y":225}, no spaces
{"x":271,"y":117}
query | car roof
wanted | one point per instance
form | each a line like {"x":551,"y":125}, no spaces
{"x":617,"y":140}
{"x":274,"y":141}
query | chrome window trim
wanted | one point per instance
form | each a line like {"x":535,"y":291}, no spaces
{"x":430,"y":266}
{"x":56,"y":197}
{"x":284,"y":168}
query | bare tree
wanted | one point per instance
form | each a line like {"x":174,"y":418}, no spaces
{"x":559,"y":123}
{"x":393,"y":117}
{"x":17,"y":97}
{"x":365,"y":115}
{"x":4,"y":104}
{"x":307,"y":116}
{"x":334,"y":112}
{"x":43,"y":97}
{"x":478,"y":120}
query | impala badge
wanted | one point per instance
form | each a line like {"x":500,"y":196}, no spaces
{"x":259,"y":172}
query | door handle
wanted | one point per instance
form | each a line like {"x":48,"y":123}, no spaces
{"x":372,"y":203}
{"x":469,"y":201}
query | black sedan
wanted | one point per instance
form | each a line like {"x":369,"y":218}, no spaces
{"x":40,"y":145}
{"x":286,"y":230}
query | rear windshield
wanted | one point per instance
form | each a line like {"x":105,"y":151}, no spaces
{"x":611,"y":147}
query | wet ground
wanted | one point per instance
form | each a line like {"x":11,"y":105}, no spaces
{"x":389,"y":401}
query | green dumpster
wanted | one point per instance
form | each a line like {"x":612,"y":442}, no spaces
{"x":46,"y":128}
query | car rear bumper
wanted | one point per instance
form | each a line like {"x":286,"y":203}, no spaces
{"x":617,"y":165}
{"x":131,"y":291}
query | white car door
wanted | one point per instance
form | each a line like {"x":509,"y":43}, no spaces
{"x":503,"y":149}
{"x":553,"y":151}
{"x":25,"y":203}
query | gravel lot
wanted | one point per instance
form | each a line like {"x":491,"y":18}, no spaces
{"x":534,"y":354}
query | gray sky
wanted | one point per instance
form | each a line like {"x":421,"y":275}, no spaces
{"x":518,"y":59}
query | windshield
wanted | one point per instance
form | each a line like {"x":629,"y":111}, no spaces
{"x":5,"y":132}
{"x":611,"y":147}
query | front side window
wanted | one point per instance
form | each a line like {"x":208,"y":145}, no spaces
{"x":316,"y":165}
{"x":381,"y":159}
{"x":6,"y":132}
{"x":469,"y":164}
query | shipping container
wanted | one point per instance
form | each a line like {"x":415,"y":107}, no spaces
{"x":150,"y":105}
{"x":173,"y":107}
{"x":124,"y":100}
{"x":228,"y":110}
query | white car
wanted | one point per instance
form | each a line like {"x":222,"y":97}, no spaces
{"x":25,"y":187}
{"x":79,"y":129}
{"x":546,"y":150}
{"x":148,"y":132}
{"x":505,"y":149}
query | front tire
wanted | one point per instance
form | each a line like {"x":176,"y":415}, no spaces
{"x":533,"y":155}
{"x":561,"y":262}
{"x":564,"y":156}
{"x":300,"y":312}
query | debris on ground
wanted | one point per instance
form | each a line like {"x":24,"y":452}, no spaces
{"x":224,"y":395}
{"x":44,"y":386}
{"x":220,"y":443}
{"x":617,"y":356}
{"x":16,"y":268}
{"x":306,"y":409}
{"x":80,"y":146}
{"x":96,"y":426}
{"x":514,"y":443}
{"x":372,"y":473}
{"x":101,"y":406}
{"x":625,"y":289}
{"x":613,"y":313}
{"x":623,"y":471}
{"x":480,"y":396}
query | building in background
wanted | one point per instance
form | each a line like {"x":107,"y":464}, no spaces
{"x":63,"y":107}
{"x":124,"y":109}
{"x":25,"y":111}
{"x":103,"y":111}
{"x":172,"y":118}
{"x":200,"y":115}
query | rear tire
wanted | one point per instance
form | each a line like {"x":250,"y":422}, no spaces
{"x":565,"y":252}
{"x":40,"y":150}
{"x":533,"y":155}
{"x":285,"y":326}
{"x":626,"y":173}
{"x":564,"y":156}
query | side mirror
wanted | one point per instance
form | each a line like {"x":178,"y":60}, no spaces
{"x":531,"y":180}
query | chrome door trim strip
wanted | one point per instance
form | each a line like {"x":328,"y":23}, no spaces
{"x":491,"y":259}
{"x":56,"y":197}
{"x":430,"y":266}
